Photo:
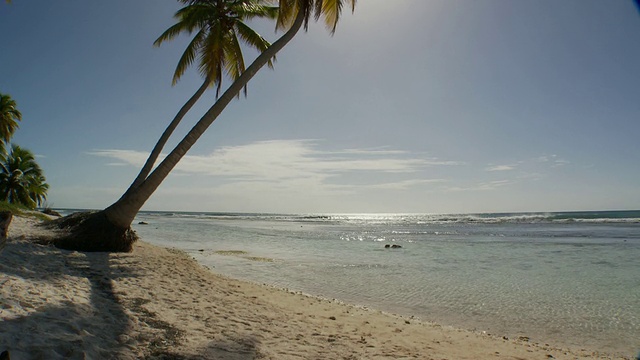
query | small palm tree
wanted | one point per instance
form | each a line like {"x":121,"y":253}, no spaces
{"x":21,"y":178}
{"x":219,"y":28}
{"x":9,"y":117}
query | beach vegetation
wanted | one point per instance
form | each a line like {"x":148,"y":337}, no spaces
{"x":114,"y":223}
{"x":15,"y":209}
{"x":21,"y":179}
{"x":22,"y":211}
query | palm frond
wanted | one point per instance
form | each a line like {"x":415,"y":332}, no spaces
{"x":188,"y":56}
{"x":253,"y":9}
{"x":212,"y":56}
{"x":255,"y":40}
{"x":331,"y":10}
{"x":234,"y":61}
{"x":288,"y":11}
{"x":189,"y":19}
{"x":173,"y":31}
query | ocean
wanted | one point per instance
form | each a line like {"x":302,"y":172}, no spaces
{"x":566,"y":279}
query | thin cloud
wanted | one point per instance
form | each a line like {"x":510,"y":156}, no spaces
{"x":500,"y":168}
{"x":402,"y":185}
{"x":296,"y":163}
{"x":484,"y":186}
{"x":130,"y":157}
{"x":554,"y":159}
{"x":560,"y":162}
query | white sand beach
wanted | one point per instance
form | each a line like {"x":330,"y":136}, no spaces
{"x":160,"y":303}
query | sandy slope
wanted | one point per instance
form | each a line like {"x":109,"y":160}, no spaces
{"x":159,"y":303}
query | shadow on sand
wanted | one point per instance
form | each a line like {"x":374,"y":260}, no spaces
{"x":82,"y":326}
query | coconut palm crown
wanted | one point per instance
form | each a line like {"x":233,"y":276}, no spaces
{"x":219,"y":26}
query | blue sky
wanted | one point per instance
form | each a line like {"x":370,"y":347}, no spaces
{"x":434,"y":106}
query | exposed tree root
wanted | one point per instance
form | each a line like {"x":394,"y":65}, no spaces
{"x":92,"y":232}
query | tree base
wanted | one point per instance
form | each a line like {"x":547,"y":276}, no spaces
{"x":92,"y":232}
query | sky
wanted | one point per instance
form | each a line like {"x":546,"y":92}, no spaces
{"x":413,"y":106}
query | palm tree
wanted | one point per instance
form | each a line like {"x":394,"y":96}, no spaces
{"x":21,"y":178}
{"x":109,"y":230}
{"x":9,"y":117}
{"x":219,"y":26}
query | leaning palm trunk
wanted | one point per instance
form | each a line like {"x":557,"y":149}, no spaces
{"x":109,"y":230}
{"x":157,"y":149}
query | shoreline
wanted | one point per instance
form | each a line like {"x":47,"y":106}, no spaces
{"x":158,"y":301}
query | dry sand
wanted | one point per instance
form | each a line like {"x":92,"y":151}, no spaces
{"x":158,"y":303}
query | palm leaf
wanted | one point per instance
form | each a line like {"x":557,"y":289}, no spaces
{"x":212,"y":56}
{"x":250,"y":10}
{"x":188,"y":56}
{"x":255,"y":40}
{"x":170,"y":33}
{"x":331,"y":10}
{"x":234,"y":61}
{"x":288,"y":11}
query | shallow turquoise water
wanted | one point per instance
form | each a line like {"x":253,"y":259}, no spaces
{"x":557,"y":279}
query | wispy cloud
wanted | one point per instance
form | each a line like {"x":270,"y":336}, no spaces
{"x":130,"y":157}
{"x":560,"y":162}
{"x":553,"y":160}
{"x":288,"y":163}
{"x":484,"y":186}
{"x":516,"y":172}
{"x":500,"y":168}
{"x":401,"y":185}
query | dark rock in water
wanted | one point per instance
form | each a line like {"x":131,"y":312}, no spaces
{"x":143,"y":223}
{"x":394,"y":246}
{"x":387,"y":246}
{"x":201,"y":250}
{"x":5,"y":355}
